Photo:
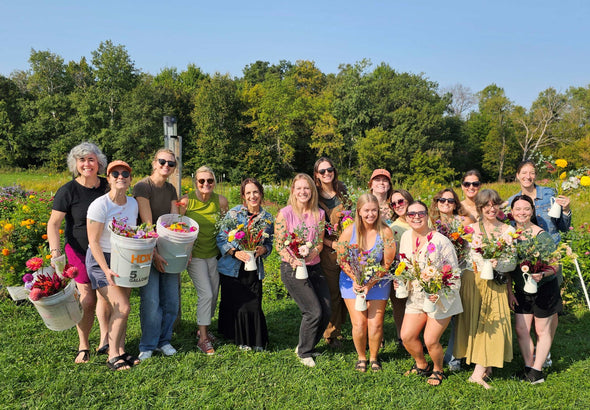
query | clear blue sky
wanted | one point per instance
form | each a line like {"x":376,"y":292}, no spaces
{"x":523,"y":46}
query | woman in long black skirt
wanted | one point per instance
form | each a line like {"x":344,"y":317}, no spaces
{"x":245,"y":238}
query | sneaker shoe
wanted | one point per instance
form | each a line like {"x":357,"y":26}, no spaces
{"x":206,"y":347}
{"x":210,"y":336}
{"x":454,"y":367}
{"x":245,"y":348}
{"x":307,"y":361}
{"x":548,"y":361}
{"x":145,"y":355}
{"x":535,"y":376}
{"x":167,"y":350}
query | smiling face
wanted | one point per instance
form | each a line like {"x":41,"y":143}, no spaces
{"x":399,"y":203}
{"x":252,"y":197}
{"x":205,"y":182}
{"x":526,"y":176}
{"x":380,"y":185}
{"x":302,"y":191}
{"x":87,"y":165}
{"x":446,"y":203}
{"x":369,"y":213}
{"x":522,"y":211}
{"x":469,"y":188}
{"x":164,"y":169}
{"x":119,"y":182}
{"x":325,"y":173}
{"x":417,"y":217}
{"x":490,"y":211}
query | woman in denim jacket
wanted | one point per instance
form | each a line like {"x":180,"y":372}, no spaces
{"x":241,"y":318}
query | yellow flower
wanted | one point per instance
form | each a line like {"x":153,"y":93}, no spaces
{"x":563,"y":175}
{"x":26,"y":208}
{"x":9,"y":227}
{"x":400,"y":268}
{"x":47,"y":256}
{"x":585,"y":180}
{"x":560,"y":163}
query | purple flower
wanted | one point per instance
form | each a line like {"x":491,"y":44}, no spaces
{"x":240,"y":235}
{"x":28,"y":278}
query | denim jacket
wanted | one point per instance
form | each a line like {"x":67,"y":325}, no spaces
{"x":229,"y":265}
{"x":542,"y":206}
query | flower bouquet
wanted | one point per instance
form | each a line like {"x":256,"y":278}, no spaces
{"x":176,"y":236}
{"x":364,"y":267}
{"x":459,"y":235}
{"x":502,"y":249}
{"x":131,"y":252}
{"x":246,"y":237}
{"x":299,"y":246}
{"x":403,"y":276}
{"x":54,"y":294}
{"x":345,"y":218}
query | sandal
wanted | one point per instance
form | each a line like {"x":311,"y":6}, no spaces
{"x":437,"y":377}
{"x":118,"y":363}
{"x":361,"y":366}
{"x":376,"y":366}
{"x":130,"y":359}
{"x":420,"y":372}
{"x":85,"y":356}
{"x":103,"y":350}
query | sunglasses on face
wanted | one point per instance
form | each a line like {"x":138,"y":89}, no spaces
{"x":210,"y":181}
{"x":124,"y":174}
{"x":475,"y":184}
{"x":399,"y":202}
{"x":419,"y":214}
{"x":323,"y":171}
{"x":162,"y":162}
{"x":443,"y":200}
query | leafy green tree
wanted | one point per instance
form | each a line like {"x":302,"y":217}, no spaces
{"x":48,"y":74}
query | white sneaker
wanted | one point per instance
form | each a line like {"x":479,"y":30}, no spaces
{"x":145,"y":355}
{"x":167,"y":350}
{"x":245,"y":348}
{"x":548,"y":361}
{"x":307,"y":361}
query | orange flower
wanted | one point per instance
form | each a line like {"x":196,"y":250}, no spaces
{"x":61,"y":231}
{"x":47,"y":256}
{"x":9,"y":227}
{"x":44,"y":236}
{"x":455,"y":235}
{"x":5,"y":251}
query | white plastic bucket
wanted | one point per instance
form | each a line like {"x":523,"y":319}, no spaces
{"x":131,"y":259}
{"x":175,"y":247}
{"x":61,"y":311}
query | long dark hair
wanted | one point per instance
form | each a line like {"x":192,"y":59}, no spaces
{"x":337,"y":185}
{"x":530,"y":201}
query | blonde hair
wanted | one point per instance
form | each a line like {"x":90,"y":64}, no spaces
{"x":313,"y":201}
{"x":359,"y":226}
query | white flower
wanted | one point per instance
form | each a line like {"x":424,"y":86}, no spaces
{"x":525,"y":268}
{"x":303,"y":250}
{"x":287,"y":242}
{"x":309,"y":244}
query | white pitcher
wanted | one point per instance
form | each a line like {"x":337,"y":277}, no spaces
{"x":402,"y":289}
{"x":251,"y":264}
{"x":487,"y":270}
{"x":555,"y":211}
{"x":301,"y":271}
{"x":530,"y":285}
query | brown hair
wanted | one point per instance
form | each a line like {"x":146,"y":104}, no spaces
{"x":484,"y":197}
{"x":407,"y":196}
{"x":435,"y":213}
{"x":251,"y":181}
{"x":337,"y":185}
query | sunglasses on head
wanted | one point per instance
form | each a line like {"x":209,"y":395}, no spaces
{"x":419,"y":214}
{"x":162,"y":162}
{"x":116,"y":174}
{"x":399,"y":202}
{"x":468,"y":184}
{"x":443,"y":200}
{"x":323,"y":171}
{"x":210,"y":181}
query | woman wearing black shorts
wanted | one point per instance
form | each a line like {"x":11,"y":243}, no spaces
{"x":541,"y":307}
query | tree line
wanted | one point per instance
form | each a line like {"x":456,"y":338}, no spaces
{"x":276,"y":119}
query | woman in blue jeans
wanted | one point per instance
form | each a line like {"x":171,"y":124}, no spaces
{"x":311,"y":294}
{"x":159,"y":298}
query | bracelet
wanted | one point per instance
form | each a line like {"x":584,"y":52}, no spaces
{"x":53,"y":250}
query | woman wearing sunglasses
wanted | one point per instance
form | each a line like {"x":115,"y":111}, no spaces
{"x":159,"y":298}
{"x":446,"y":208}
{"x":114,"y":204}
{"x":333,"y":200}
{"x":470,"y":185}
{"x":204,"y":206}
{"x":484,"y":333}
{"x":400,"y":199}
{"x":424,"y":246}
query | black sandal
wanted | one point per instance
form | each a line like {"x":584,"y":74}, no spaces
{"x":420,"y":372}
{"x":103,"y":350}
{"x":85,"y":356}
{"x":376,"y":366}
{"x":118,"y":363}
{"x":436,"y":376}
{"x":361,"y":366}
{"x":130,"y":359}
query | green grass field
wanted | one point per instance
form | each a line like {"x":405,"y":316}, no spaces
{"x":38,"y":369}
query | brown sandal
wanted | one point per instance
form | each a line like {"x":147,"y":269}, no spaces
{"x":420,"y":372}
{"x":376,"y":366}
{"x":361,"y":366}
{"x":437,"y":377}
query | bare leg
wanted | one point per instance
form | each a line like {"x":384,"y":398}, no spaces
{"x":432,"y":333}
{"x":544,"y":328}
{"x":118,"y":299}
{"x":522,"y":325}
{"x":359,"y":329}
{"x":412,"y":325}
{"x":477,"y":376}
{"x":103,"y":314}
{"x":88,"y":301}
{"x":375,"y":315}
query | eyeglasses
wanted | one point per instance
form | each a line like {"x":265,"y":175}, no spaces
{"x":323,"y":171}
{"x":419,"y":214}
{"x":162,"y":162}
{"x":210,"y":181}
{"x":124,"y":174}
{"x":399,"y":202}
{"x":475,"y":184}
{"x":443,"y":200}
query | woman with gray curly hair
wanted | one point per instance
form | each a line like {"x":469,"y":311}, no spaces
{"x":71,"y":202}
